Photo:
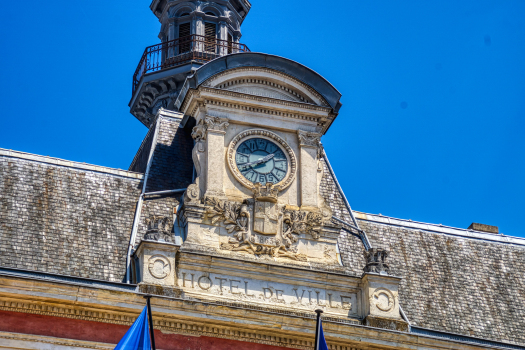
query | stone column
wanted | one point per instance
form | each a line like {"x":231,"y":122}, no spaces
{"x":223,"y":35}
{"x":215,"y":158}
{"x":198,"y":30}
{"x":309,"y":143}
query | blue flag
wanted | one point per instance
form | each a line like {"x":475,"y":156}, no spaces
{"x":321,"y":340}
{"x":137,"y":337}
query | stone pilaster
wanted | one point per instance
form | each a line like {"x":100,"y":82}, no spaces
{"x":309,"y":143}
{"x":214,"y":169}
{"x":156,"y":263}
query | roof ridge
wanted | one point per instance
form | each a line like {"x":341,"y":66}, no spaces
{"x":454,"y":231}
{"x":68,"y":163}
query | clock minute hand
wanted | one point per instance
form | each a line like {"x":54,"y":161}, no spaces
{"x":261,"y":160}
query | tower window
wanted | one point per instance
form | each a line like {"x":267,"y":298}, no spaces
{"x":184,"y":14}
{"x":184,"y":37}
{"x":211,"y":14}
{"x":210,"y":30}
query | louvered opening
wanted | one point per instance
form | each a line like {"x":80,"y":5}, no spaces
{"x":230,"y":43}
{"x":184,"y":36}
{"x":210,"y":30}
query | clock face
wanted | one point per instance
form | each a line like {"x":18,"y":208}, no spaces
{"x":261,"y":160}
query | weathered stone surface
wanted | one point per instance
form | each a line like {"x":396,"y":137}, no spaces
{"x":64,"y":220}
{"x":386,"y":323}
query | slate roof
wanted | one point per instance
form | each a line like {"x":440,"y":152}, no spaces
{"x":65,"y":218}
{"x":75,"y":219}
{"x":473,"y":286}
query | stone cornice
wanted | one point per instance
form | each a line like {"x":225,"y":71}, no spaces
{"x":192,"y":317}
{"x":17,"y":339}
{"x":265,"y":99}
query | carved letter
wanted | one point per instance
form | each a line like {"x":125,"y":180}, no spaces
{"x":246,"y":290}
{"x":279,"y":293}
{"x":300,"y":300}
{"x":264,"y":293}
{"x":318,"y":302}
{"x":200,"y":285}
{"x":184,"y":280}
{"x":220,"y":283}
{"x":346,"y":304}
{"x":330,"y":300}
{"x":232,"y":286}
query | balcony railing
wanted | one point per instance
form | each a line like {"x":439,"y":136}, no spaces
{"x":191,"y":48}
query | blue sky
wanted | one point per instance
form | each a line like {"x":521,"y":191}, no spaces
{"x":433,"y":117}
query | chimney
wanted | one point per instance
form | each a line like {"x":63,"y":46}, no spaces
{"x":483,"y":228}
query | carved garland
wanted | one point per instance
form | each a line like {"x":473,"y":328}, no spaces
{"x":252,"y":133}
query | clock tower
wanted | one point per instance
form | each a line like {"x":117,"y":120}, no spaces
{"x":257,"y":210}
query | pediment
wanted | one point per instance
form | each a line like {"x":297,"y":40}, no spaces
{"x":265,"y":82}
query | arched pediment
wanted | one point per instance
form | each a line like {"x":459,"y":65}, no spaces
{"x":265,"y":82}
{"x":264,"y":75}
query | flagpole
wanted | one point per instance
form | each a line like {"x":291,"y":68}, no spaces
{"x":317,"y":327}
{"x":151,"y":324}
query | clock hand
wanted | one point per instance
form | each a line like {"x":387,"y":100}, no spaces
{"x":260,"y":160}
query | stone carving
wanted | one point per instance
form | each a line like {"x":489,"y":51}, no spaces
{"x":159,"y":266}
{"x":307,"y":138}
{"x":253,"y":133}
{"x":158,"y":229}
{"x":265,"y":218}
{"x":266,"y":193}
{"x":236,"y":218}
{"x":383,"y":299}
{"x":198,"y":132}
{"x":192,"y":194}
{"x":376,"y":261}
{"x":216,"y":123}
{"x":299,"y":222}
{"x":199,"y":135}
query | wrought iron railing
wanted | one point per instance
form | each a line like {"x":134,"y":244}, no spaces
{"x":196,"y":48}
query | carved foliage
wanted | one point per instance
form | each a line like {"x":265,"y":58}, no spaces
{"x":307,"y":138}
{"x":235,"y":216}
{"x":216,"y":123}
{"x":303,"y":222}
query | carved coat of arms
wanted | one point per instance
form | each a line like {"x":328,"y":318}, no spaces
{"x":266,"y":219}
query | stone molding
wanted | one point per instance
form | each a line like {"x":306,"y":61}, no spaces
{"x":233,"y":83}
{"x":168,"y":326}
{"x":261,"y":133}
{"x":309,"y":139}
{"x":265,"y":99}
{"x":209,"y":82}
{"x":13,"y":341}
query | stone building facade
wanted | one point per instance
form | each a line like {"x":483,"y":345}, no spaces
{"x":231,"y":217}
